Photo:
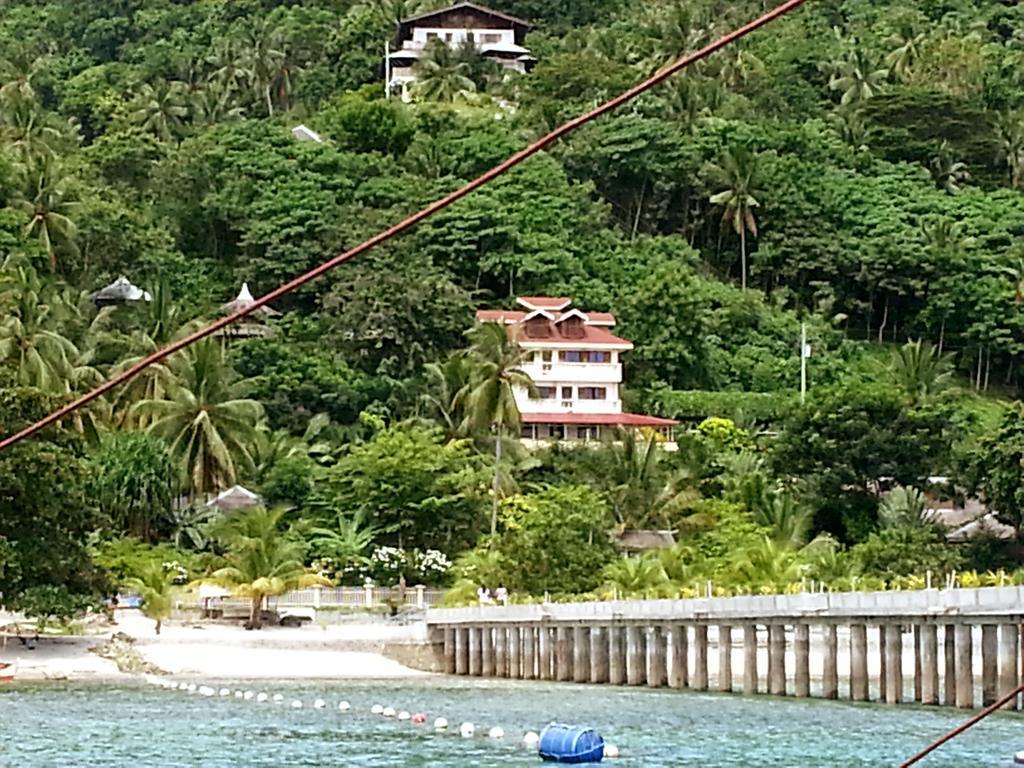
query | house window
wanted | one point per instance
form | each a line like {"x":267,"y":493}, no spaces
{"x":599,"y":357}
{"x":556,"y":431}
{"x":593,"y":393}
{"x":491,"y":37}
{"x":583,"y":433}
{"x":528,"y":432}
{"x":570,"y":356}
{"x":431,"y":35}
{"x":448,"y":36}
{"x":545,"y":393}
{"x":546,"y":356}
{"x":567,"y":393}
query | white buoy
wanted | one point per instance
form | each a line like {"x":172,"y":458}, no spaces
{"x":388,"y":712}
{"x":191,"y":688}
{"x":262,"y":697}
{"x":611,"y":751}
{"x":278,"y":698}
{"x":225,"y":691}
{"x":497,"y":732}
{"x":466,"y":730}
{"x":344,"y":706}
{"x":376,"y":709}
{"x":249,"y":696}
{"x":531,"y":740}
{"x":206,"y":690}
{"x":440,"y":724}
{"x":239,"y":694}
{"x":296,"y":704}
{"x":403,"y":715}
{"x":319,"y":704}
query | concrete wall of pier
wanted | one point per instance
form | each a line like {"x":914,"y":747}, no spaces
{"x":958,"y":648}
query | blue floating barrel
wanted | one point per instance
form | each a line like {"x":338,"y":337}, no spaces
{"x":570,"y":744}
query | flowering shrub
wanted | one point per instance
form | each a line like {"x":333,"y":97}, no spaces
{"x":386,"y":565}
{"x":179,"y":572}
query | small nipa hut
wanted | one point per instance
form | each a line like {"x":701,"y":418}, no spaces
{"x":254,"y":326}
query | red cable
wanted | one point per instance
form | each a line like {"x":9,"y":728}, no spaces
{"x":408,"y":223}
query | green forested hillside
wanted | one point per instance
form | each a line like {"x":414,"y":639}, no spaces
{"x":858,"y":166}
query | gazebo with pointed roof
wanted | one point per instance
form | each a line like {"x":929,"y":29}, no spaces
{"x":252,"y":327}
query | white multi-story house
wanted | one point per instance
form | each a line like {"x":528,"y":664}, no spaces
{"x":575,"y":363}
{"x":497,"y":36}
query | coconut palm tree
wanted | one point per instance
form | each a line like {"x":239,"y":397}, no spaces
{"x":448,"y":385}
{"x":155,"y":585}
{"x":920,"y":370}
{"x":1010,"y":138}
{"x":161,"y":109}
{"x":265,"y":59}
{"x":209,"y":426}
{"x":788,"y":522}
{"x":29,"y":132}
{"x":902,"y":507}
{"x":948,"y":172}
{"x":856,"y":76}
{"x":21,"y":72}
{"x":49,"y":206}
{"x":31,"y":342}
{"x":739,"y":173}
{"x":346,"y":543}
{"x":906,"y":53}
{"x":440,"y":76}
{"x":635,"y":577}
{"x":495,"y":360}
{"x":262,"y":559}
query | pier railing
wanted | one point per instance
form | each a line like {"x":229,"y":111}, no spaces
{"x":957,"y":647}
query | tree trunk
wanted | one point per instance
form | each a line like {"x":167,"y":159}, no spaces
{"x":885,"y":320}
{"x":743,"y":257}
{"x":256,"y":613}
{"x":497,"y":471}
{"x":988,"y":365}
{"x":270,"y":103}
{"x":977,"y":373}
{"x":942,"y":334}
{"x":639,"y":210}
{"x":159,"y":623}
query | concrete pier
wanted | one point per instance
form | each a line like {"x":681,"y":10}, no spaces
{"x":936,"y":633}
{"x":580,"y":654}
{"x":656,"y":658}
{"x":617,"y":655}
{"x":598,"y":654}
{"x":678,"y":671}
{"x":802,"y":651}
{"x":776,"y":660}
{"x":699,"y":681}
{"x":749,"y":659}
{"x":725,"y":658}
{"x":859,"y":680}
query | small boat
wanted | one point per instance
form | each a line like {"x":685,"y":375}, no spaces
{"x":8,"y":669}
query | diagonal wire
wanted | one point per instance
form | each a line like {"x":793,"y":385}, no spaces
{"x":657,"y":78}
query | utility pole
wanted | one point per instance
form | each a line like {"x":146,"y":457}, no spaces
{"x":387,"y":69}
{"x":805,"y":352}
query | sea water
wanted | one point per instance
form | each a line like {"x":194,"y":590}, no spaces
{"x":56,"y":724}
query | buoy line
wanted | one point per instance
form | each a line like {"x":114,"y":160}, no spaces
{"x":467,"y":730}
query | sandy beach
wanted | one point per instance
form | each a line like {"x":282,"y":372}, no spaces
{"x":208,"y":650}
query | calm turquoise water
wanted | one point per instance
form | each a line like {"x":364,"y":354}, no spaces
{"x":93,"y":725}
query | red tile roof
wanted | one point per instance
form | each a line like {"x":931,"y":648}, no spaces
{"x":602,"y":419}
{"x":499,"y":315}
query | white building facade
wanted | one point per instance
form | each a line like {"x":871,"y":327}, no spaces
{"x":497,"y":36}
{"x":575,"y":363}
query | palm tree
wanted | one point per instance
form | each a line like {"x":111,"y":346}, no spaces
{"x":907,"y":52}
{"x":154,"y":585}
{"x":739,"y":173}
{"x":788,"y":522}
{"x":29,"y":131}
{"x":641,"y":490}
{"x":210,"y":428}
{"x":495,"y":359}
{"x":902,"y":507}
{"x":31,"y":341}
{"x":920,"y":370}
{"x":856,"y":76}
{"x":265,"y":59}
{"x":738,"y":66}
{"x":949,"y":173}
{"x":440,"y":76}
{"x":449,"y":384}
{"x":635,"y":577}
{"x":161,"y":108}
{"x":214,"y":104}
{"x":262,"y":560}
{"x":20,"y":74}
{"x":346,"y":543}
{"x":49,"y":206}
{"x":1010,"y":137}
{"x":228,"y":72}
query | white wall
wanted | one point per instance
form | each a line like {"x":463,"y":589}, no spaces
{"x":420,"y":36}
